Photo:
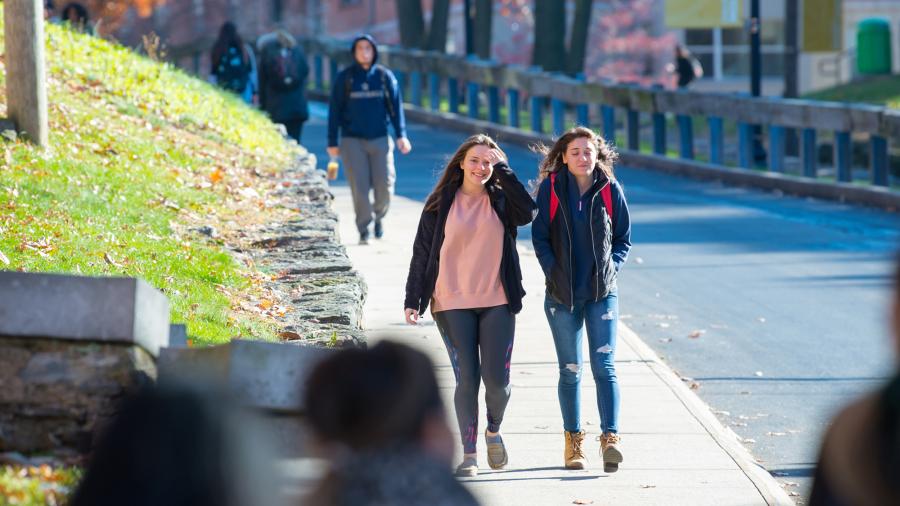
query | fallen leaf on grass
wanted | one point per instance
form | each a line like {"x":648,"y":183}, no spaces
{"x":287,"y":334}
{"x":217,"y":175}
{"x":110,"y":261}
{"x":265,"y":304}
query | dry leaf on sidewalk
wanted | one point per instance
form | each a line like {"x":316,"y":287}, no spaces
{"x":697,"y":333}
{"x":648,"y":486}
{"x":582,"y":501}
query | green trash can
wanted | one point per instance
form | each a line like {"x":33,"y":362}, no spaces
{"x":873,"y":47}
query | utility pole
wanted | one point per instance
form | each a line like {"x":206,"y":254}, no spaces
{"x":26,"y":92}
{"x":759,"y":153}
{"x":467,"y":18}
{"x":791,"y":52}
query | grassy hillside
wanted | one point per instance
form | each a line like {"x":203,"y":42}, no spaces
{"x":141,"y":155}
{"x":878,"y":90}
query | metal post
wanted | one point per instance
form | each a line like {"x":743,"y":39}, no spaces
{"x":809,"y":154}
{"x":318,"y":70}
{"x":686,"y":136}
{"x":453,"y":93}
{"x":633,"y":119}
{"x":776,"y":148}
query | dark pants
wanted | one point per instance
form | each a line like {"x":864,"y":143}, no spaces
{"x":294,"y":128}
{"x":466,"y":332}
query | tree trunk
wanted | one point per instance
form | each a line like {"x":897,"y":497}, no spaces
{"x":549,"y":34}
{"x":579,"y":37}
{"x":412,"y":24}
{"x":437,"y":33}
{"x":484,"y":10}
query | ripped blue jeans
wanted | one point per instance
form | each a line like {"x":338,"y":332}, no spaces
{"x":566,"y":326}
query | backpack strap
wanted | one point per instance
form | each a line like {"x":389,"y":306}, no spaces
{"x":388,"y":103}
{"x":606,"y":194}
{"x":554,"y":201}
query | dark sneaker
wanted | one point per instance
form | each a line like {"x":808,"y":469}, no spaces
{"x":364,"y":238}
{"x":496,"y":451}
{"x":379,"y":230}
{"x":609,"y":450}
{"x":468,"y":468}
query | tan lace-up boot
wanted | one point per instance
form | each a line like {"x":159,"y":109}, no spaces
{"x":609,"y":450}
{"x":574,"y":454}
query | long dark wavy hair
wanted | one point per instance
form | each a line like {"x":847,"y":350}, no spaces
{"x":453,"y":174}
{"x":228,"y":38}
{"x":553,"y":161}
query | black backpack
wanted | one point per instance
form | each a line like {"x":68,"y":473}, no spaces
{"x":232,"y":72}
{"x":284,"y":70}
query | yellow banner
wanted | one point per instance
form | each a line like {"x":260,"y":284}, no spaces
{"x":704,"y":13}
{"x":822,"y":26}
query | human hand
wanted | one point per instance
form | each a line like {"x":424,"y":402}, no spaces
{"x":412,"y":316}
{"x":495,"y":156}
{"x":334,"y":151}
{"x":403,"y":145}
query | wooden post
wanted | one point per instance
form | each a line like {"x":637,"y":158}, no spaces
{"x":512,"y":107}
{"x":26,"y":92}
{"x":434,"y":91}
{"x":558,"y":108}
{"x":716,"y":140}
{"x":493,"y":104}
{"x":633,"y":128}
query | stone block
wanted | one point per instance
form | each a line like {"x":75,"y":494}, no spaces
{"x":54,"y":392}
{"x":114,"y":310}
{"x":262,"y":375}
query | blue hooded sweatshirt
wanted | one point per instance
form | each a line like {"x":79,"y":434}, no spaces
{"x":364,"y":108}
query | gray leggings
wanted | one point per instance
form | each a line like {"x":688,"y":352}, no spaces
{"x":466,"y":331}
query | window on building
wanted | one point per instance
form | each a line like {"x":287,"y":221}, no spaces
{"x":734,"y":50}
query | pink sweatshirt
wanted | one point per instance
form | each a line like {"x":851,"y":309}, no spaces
{"x":469,"y":270}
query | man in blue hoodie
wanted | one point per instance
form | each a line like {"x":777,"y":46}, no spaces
{"x":365,"y":97}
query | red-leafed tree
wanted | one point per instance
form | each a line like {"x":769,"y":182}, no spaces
{"x":111,"y":14}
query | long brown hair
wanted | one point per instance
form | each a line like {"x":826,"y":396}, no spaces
{"x":552,"y":162}
{"x":453,"y":174}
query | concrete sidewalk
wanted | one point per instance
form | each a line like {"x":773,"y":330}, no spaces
{"x":676,"y":451}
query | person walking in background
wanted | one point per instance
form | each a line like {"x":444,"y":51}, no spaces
{"x":377,"y":416}
{"x":231,"y":63}
{"x":581,"y":237}
{"x":76,"y":16}
{"x":859,"y":463}
{"x":686,"y":67}
{"x":282,"y":81}
{"x":465,"y":263}
{"x":365,"y":97}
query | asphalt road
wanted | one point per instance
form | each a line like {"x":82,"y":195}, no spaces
{"x":773,"y":307}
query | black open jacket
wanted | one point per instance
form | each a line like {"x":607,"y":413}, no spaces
{"x":515,"y":208}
